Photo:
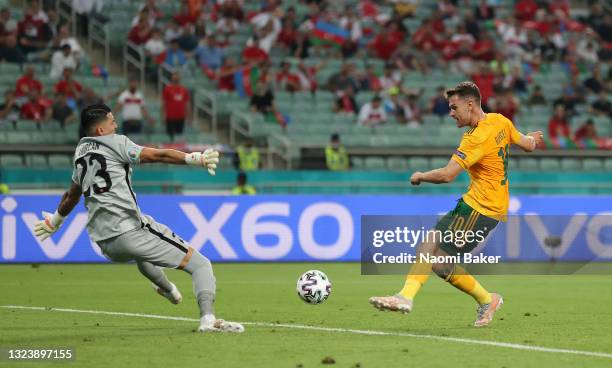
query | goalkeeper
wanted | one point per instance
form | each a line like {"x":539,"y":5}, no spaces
{"x":102,"y":171}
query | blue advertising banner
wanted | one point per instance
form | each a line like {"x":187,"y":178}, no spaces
{"x":305,"y":228}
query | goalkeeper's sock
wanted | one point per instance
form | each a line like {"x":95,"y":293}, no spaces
{"x":465,"y":282}
{"x":419,"y":273}
{"x":155,"y":274}
{"x":204,"y":283}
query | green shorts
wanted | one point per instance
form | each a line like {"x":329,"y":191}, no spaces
{"x":463,"y":229}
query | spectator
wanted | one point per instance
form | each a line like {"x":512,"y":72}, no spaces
{"x":263,"y":99}
{"x":242,"y":187}
{"x":484,"y":11}
{"x":385,"y":44}
{"x":155,"y":45}
{"x":344,"y":78}
{"x":336,"y":157}
{"x":370,"y":81}
{"x":176,"y":106}
{"x":506,"y":104}
{"x":188,"y":41}
{"x":141,"y":31}
{"x":247,"y":157}
{"x":253,"y":53}
{"x":301,"y":47}
{"x":438,"y":105}
{"x":413,"y":113}
{"x":346,"y":103}
{"x":151,"y":12}
{"x":558,"y":126}
{"x":227,"y":26}
{"x":393,"y":105}
{"x":595,"y":83}
{"x":9,"y":110}
{"x":173,"y":31}
{"x":61,"y":111}
{"x":35,"y":108}
{"x":602,"y":105}
{"x":27,"y":83}
{"x":484,"y":47}
{"x":175,"y":57}
{"x":89,"y":97}
{"x":30,"y":29}
{"x":515,"y":81}
{"x":537,"y":97}
{"x":63,"y":37}
{"x":525,"y":10}
{"x":372,"y":113}
{"x":9,"y":51}
{"x":286,"y":79}
{"x":484,"y":79}
{"x":288,"y":34}
{"x":208,"y":54}
{"x":62,"y":59}
{"x":225,"y":76}
{"x":131,"y":103}
{"x":586,"y":131}
{"x":68,"y":86}
{"x":587,"y":52}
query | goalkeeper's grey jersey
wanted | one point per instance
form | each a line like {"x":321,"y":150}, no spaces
{"x":102,"y":169}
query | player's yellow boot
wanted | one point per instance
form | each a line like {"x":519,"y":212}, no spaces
{"x":486,"y":311}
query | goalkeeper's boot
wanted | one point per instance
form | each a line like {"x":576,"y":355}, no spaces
{"x":174,"y":295}
{"x":486,"y":311}
{"x":219,"y":325}
{"x":394,"y":303}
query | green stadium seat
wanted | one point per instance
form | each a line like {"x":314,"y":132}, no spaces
{"x":608,"y":165}
{"x":60,"y":161}
{"x":374,"y":163}
{"x":358,"y":163}
{"x":36,"y":160}
{"x":418,"y":163}
{"x":528,"y":164}
{"x":570,"y":164}
{"x":10,"y":160}
{"x":397,"y":164}
{"x":592,"y":164}
{"x":438,"y":162}
{"x":550,"y":164}
{"x":27,"y":126}
{"x":18,"y":137}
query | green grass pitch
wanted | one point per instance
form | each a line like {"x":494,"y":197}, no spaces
{"x":560,"y":312}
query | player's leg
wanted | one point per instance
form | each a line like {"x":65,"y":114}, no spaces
{"x":160,"y":282}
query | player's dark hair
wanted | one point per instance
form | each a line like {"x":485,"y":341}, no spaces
{"x":92,"y":115}
{"x":463,"y":90}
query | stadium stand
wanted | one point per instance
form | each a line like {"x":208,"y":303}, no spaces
{"x":306,"y":60}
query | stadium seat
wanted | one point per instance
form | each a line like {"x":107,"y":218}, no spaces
{"x":550,"y":164}
{"x":397,"y":164}
{"x":10,"y":160}
{"x":418,"y":163}
{"x":528,"y":164}
{"x":27,"y":126}
{"x":592,"y":164}
{"x":60,"y":161}
{"x":36,"y":160}
{"x":358,"y":163}
{"x":570,"y":164}
{"x":18,"y":137}
{"x":438,"y":162}
{"x":608,"y":165}
{"x":374,"y":163}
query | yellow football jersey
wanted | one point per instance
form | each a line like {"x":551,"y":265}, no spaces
{"x":483,"y":153}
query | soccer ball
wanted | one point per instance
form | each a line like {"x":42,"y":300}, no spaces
{"x":313,"y":287}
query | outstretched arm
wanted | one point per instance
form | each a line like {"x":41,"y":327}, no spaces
{"x":208,"y":158}
{"x":529,"y":142}
{"x":438,"y":176}
{"x":51,"y":222}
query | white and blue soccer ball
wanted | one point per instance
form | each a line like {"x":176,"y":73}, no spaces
{"x":314,"y":287}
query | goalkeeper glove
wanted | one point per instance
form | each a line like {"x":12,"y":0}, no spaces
{"x":48,"y":225}
{"x":208,"y":159}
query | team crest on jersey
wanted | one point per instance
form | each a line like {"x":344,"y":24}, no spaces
{"x":460,"y":154}
{"x":132,"y":154}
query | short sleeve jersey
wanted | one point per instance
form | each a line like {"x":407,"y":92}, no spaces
{"x":484,"y":153}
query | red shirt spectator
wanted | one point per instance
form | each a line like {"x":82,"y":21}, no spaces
{"x":483,"y":49}
{"x":586,"y":131}
{"x":485,"y":81}
{"x":525,"y":10}
{"x":27,"y":83}
{"x":254,"y":54}
{"x":558,"y":126}
{"x":69,"y":87}
{"x":33,"y":110}
{"x":176,"y":100}
{"x":141,"y":32}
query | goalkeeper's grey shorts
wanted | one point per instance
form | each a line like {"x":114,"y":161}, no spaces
{"x":152,"y":242}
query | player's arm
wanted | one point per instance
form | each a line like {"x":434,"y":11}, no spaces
{"x":529,"y":142}
{"x":51,"y":222}
{"x":442,"y":175}
{"x":208,"y":158}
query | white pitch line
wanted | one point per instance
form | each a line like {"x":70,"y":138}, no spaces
{"x":332,"y":329}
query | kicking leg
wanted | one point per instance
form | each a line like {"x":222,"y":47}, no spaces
{"x":204,"y":288}
{"x":160,"y":282}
